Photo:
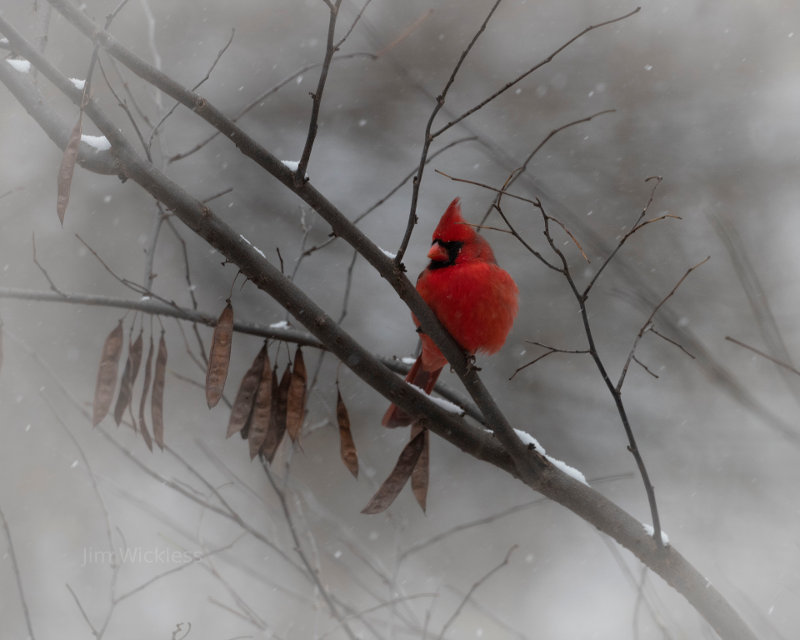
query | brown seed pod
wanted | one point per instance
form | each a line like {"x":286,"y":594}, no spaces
{"x":220,"y":356}
{"x":129,"y":374}
{"x":145,"y":390}
{"x":347,"y":446}
{"x":277,"y":422}
{"x":262,"y":410}
{"x":107,"y":374}
{"x":296,"y":402}
{"x":397,"y":479}
{"x":157,"y":396}
{"x":246,"y":395}
{"x":67,"y":168}
{"x":420,"y":476}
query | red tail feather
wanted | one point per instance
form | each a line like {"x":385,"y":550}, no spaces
{"x":419,"y":377}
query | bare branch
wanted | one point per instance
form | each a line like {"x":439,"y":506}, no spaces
{"x":394,"y":190}
{"x":260,"y":101}
{"x":52,"y":284}
{"x":649,"y":322}
{"x":312,"y":572}
{"x":360,"y":13}
{"x":221,"y":53}
{"x":195,"y":558}
{"x":316,"y":97}
{"x":672,"y":342}
{"x":404,"y":34}
{"x":636,"y":226}
{"x":550,"y":351}
{"x":645,"y":367}
{"x":519,"y":171}
{"x":17,"y":575}
{"x":615,"y":392}
{"x":428,"y":139}
{"x":158,"y":308}
{"x":472,"y":590}
{"x":780,"y":363}
{"x":85,"y":615}
{"x":538,"y":65}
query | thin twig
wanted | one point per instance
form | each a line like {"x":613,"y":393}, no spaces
{"x":313,"y":574}
{"x":158,"y":308}
{"x":473,"y":589}
{"x":172,"y":109}
{"x":519,"y":171}
{"x":97,"y":632}
{"x":316,"y":97}
{"x":219,"y":194}
{"x":613,"y":390}
{"x":85,"y":615}
{"x":159,"y":216}
{"x":352,"y":25}
{"x":674,"y":343}
{"x":439,"y":537}
{"x":388,"y":603}
{"x":636,"y":226}
{"x":404,"y":34}
{"x":649,"y":322}
{"x":536,"y":203}
{"x":260,"y":100}
{"x":550,"y":351}
{"x":757,"y":297}
{"x":126,"y":110}
{"x":645,"y":367}
{"x":52,"y":284}
{"x":780,"y":363}
{"x":538,"y":65}
{"x":190,"y":288}
{"x":391,"y":192}
{"x":17,"y":575}
{"x":195,"y":558}
{"x":428,"y":139}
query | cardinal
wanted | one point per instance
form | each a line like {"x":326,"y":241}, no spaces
{"x":470,"y":294}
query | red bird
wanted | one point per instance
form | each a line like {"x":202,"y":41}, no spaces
{"x":472,"y":297}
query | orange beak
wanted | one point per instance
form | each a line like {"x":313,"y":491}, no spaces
{"x":438,"y":253}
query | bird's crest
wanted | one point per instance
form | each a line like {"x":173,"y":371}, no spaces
{"x":451,"y":227}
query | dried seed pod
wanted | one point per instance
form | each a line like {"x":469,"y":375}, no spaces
{"x":107,"y":374}
{"x":245,"y":397}
{"x":145,"y":390}
{"x":391,"y":487}
{"x":67,"y":168}
{"x":220,"y":356}
{"x":157,"y":396}
{"x":277,"y":422}
{"x":347,"y":446}
{"x":420,"y":476}
{"x":129,"y":374}
{"x":296,"y":402}
{"x":262,"y":410}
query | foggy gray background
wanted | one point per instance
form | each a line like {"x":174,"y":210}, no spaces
{"x":706,"y":95}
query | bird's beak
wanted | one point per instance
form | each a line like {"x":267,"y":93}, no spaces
{"x":438,"y":253}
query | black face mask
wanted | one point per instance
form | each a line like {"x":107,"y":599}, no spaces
{"x":453,"y":248}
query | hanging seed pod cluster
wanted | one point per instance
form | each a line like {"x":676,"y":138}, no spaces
{"x":152,"y":386}
{"x":267,"y":406}
{"x":266,"y":409}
